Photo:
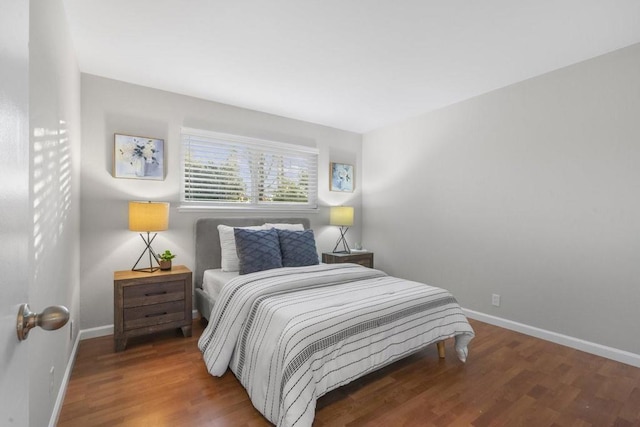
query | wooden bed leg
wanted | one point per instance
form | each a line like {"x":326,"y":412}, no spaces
{"x":440,"y":345}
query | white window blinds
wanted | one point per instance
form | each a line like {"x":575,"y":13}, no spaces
{"x":221,"y":170}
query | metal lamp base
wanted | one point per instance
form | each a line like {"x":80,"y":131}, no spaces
{"x":152,"y":255}
{"x":342,"y":240}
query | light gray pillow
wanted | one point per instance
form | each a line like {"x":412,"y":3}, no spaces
{"x":283,"y":226}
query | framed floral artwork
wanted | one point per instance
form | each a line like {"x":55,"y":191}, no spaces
{"x":138,"y":157}
{"x":341,"y":176}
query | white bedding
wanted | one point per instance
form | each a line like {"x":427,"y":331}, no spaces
{"x":293,"y":334}
{"x":214,"y":279}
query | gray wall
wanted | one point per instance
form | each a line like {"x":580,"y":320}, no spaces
{"x":54,"y":122}
{"x":109,"y":107}
{"x":531,"y":191}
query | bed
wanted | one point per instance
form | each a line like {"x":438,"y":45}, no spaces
{"x":292,"y":334}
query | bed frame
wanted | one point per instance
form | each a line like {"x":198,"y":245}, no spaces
{"x":208,"y":250}
{"x":208,"y":254}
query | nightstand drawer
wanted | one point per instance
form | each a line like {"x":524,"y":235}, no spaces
{"x":153,"y":293}
{"x":156,"y":314}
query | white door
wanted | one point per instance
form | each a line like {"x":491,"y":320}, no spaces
{"x":14,"y":208}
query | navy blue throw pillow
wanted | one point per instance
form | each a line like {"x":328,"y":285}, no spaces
{"x":257,"y":250}
{"x":298,"y":248}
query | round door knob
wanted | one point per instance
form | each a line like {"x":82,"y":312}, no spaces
{"x":51,"y":318}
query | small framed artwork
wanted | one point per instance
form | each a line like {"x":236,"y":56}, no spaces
{"x":341,"y":176}
{"x":138,"y":157}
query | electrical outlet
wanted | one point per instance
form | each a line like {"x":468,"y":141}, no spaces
{"x":495,"y":300}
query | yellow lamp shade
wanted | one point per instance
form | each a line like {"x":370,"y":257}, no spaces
{"x":148,"y":216}
{"x":341,"y":215}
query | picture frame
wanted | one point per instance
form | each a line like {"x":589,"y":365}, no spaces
{"x":341,"y":177}
{"x":138,"y":157}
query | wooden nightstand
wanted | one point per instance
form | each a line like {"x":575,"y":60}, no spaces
{"x":144,"y":303}
{"x":362,"y":258}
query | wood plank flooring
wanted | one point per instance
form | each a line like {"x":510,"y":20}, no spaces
{"x":510,"y":379}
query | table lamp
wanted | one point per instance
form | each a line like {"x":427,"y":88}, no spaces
{"x":341,"y":216}
{"x":147,"y":217}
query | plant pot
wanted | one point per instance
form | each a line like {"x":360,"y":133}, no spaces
{"x":165,"y":265}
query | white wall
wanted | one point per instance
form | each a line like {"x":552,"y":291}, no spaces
{"x":109,"y":107}
{"x":531,"y":192}
{"x":54,"y":122}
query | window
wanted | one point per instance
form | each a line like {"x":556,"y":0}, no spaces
{"x":222,"y":170}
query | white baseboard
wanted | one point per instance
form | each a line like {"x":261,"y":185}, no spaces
{"x":57,"y":407}
{"x":577,"y":343}
{"x":100,"y":331}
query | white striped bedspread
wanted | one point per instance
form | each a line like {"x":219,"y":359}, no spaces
{"x":291,"y":335}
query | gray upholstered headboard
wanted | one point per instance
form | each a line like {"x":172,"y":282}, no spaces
{"x":208,"y":241}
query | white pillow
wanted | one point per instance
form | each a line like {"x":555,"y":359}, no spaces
{"x":229,"y":257}
{"x":291,"y":227}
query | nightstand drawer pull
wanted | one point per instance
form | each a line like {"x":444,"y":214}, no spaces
{"x":150,"y":294}
{"x":155,"y":314}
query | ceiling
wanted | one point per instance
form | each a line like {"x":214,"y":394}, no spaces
{"x":350,"y":64}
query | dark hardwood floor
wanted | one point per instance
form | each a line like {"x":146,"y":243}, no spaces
{"x":510,"y":379}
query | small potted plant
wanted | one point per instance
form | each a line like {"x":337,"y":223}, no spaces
{"x":165,"y":260}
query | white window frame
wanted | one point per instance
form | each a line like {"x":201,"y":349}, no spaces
{"x":258,"y":146}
